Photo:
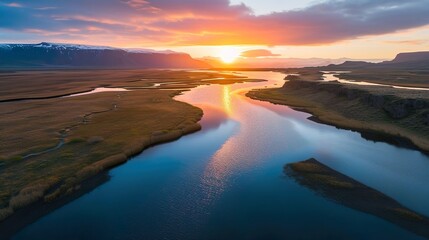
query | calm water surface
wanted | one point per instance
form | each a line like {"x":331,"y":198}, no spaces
{"x":333,"y":76}
{"x":226,"y":181}
{"x":98,"y":90}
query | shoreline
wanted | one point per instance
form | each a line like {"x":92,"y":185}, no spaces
{"x":43,"y":98}
{"x":94,"y":175}
{"x":22,"y":217}
{"x":344,"y":190}
{"x":38,"y":199}
{"x":50,"y":193}
{"x":319,"y":115}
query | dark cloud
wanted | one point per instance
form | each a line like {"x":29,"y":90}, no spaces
{"x":258,"y":53}
{"x":196,"y":22}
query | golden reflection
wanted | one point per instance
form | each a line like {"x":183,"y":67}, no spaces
{"x":227,"y":99}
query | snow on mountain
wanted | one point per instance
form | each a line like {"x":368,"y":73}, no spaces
{"x":56,"y":46}
{"x":75,"y":55}
{"x":61,"y":46}
{"x":72,"y":46}
{"x":145,"y":50}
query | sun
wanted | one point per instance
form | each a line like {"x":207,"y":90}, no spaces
{"x":229,"y":54}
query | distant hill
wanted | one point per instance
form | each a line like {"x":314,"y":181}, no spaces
{"x":412,"y":60}
{"x":277,"y":62}
{"x":411,"y":57}
{"x":68,"y":55}
{"x":355,"y":64}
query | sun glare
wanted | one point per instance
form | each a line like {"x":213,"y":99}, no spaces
{"x":229,"y":54}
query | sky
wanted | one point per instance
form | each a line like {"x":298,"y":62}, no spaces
{"x":261,"y":7}
{"x":359,"y":29}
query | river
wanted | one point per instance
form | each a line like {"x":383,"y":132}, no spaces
{"x":227,"y":182}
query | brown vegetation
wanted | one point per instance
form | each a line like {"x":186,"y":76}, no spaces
{"x":384,"y":110}
{"x":409,"y":78}
{"x":50,"y":145}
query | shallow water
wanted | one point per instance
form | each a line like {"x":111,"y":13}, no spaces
{"x":226,"y":181}
{"x":333,"y":76}
{"x":98,"y":90}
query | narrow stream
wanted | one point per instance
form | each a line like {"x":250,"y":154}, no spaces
{"x":227,"y":181}
{"x":333,"y":76}
{"x":98,"y":90}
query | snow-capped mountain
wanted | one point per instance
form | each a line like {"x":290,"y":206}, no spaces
{"x":145,"y":50}
{"x":72,"y":55}
{"x":57,"y":46}
{"x":65,"y":46}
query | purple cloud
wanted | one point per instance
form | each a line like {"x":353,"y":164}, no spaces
{"x":215,"y":22}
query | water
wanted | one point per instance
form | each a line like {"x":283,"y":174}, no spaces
{"x":98,"y":90}
{"x":226,"y":181}
{"x":333,"y":76}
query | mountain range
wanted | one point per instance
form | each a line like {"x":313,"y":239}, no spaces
{"x":47,"y":55}
{"x":279,"y":62}
{"x":68,"y":55}
{"x":410,"y":60}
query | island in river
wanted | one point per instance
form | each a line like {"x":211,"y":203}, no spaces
{"x":353,"y":194}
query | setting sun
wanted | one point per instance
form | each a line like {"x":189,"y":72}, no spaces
{"x":229,"y":54}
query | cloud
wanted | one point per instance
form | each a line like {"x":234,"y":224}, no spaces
{"x":215,"y":22}
{"x":46,"y":8}
{"x":13,"y":4}
{"x":258,"y":53}
{"x":408,"y":42}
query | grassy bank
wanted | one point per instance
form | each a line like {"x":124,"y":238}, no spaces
{"x":350,"y":193}
{"x":49,"y":146}
{"x":384,"y":110}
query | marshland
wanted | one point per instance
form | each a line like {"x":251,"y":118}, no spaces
{"x":54,"y":136}
{"x":177,"y":120}
{"x":229,"y":173}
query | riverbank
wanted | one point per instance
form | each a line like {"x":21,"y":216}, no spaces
{"x":381,"y":110}
{"x":96,"y":132}
{"x":194,"y":187}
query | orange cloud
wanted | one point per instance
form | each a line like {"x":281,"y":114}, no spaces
{"x":258,"y":53}
{"x":214,"y":22}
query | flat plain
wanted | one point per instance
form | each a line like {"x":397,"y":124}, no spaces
{"x":50,"y":141}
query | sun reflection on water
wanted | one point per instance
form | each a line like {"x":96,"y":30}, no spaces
{"x":227,"y":99}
